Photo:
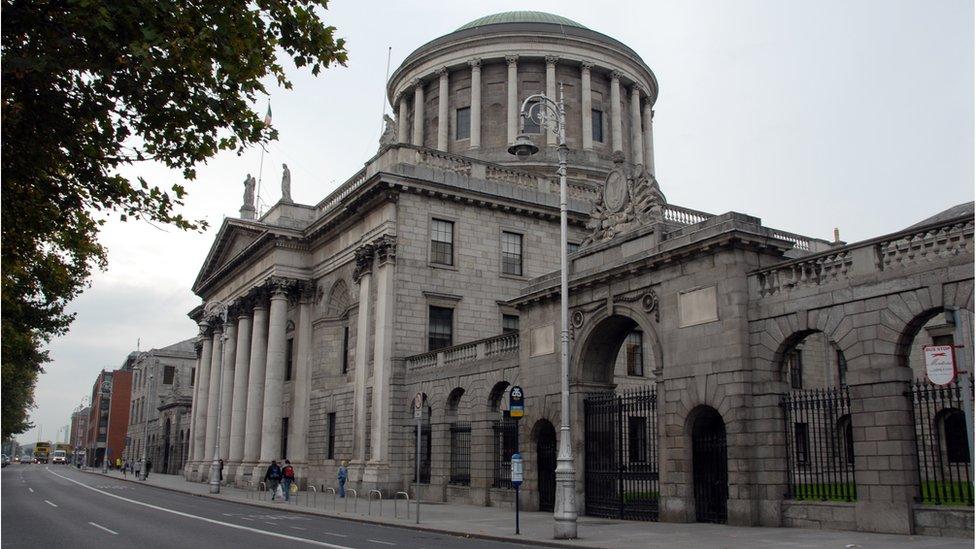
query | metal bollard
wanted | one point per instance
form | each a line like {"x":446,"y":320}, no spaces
{"x":369,"y":498}
{"x":330,"y":489}
{"x":314,"y":495}
{"x":395,"y":500}
{"x":355,"y":503}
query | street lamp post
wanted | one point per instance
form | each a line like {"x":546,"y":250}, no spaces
{"x":543,"y":110}
{"x":145,"y":432}
{"x":215,"y":465}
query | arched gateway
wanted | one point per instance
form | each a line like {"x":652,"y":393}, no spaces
{"x":710,"y":466}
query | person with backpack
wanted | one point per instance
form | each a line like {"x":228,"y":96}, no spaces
{"x":273,"y":476}
{"x":287,"y":479}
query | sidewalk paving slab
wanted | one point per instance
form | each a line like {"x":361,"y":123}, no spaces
{"x":496,"y":523}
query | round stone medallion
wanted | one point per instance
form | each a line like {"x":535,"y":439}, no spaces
{"x":615,"y":191}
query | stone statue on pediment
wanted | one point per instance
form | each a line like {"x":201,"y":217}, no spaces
{"x":247,"y":209}
{"x":630,"y":198}
{"x":389,"y":136}
{"x":285,"y":183}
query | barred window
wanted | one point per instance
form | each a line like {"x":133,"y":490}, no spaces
{"x":461,"y":453}
{"x":795,"y":364}
{"x":332,"y":436}
{"x":510,"y":324}
{"x":841,"y":368}
{"x":511,"y":253}
{"x":505,"y":434}
{"x":635,"y":353}
{"x":193,"y":376}
{"x":440,"y":328}
{"x":284,"y":437}
{"x":169,"y":372}
{"x":345,"y":349}
{"x":463,"y":125}
{"x":596,"y":118}
{"x":442,"y":242}
{"x":572,"y":247}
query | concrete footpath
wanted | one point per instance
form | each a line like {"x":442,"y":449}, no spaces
{"x":536,"y":528}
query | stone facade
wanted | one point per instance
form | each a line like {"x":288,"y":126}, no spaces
{"x":433,"y":270}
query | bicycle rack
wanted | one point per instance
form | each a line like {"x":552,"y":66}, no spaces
{"x":369,"y":498}
{"x":330,"y":489}
{"x":355,"y":504}
{"x":395,"y":500}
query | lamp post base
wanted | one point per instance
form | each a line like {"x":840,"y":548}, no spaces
{"x":565,"y":509}
{"x":215,"y":477}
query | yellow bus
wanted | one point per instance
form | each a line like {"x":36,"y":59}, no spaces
{"x":41,"y":452}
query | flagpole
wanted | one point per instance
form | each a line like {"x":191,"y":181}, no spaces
{"x":267,"y":122}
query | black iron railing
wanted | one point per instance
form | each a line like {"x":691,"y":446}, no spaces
{"x":505,"y":437}
{"x":941,"y":443}
{"x":819,"y":445}
{"x":424,"y":452}
{"x":461,"y":453}
{"x":621,"y":454}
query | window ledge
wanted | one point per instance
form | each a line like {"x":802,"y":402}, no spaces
{"x":442,"y":266}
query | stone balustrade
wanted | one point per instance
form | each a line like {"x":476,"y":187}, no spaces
{"x":495,"y":346}
{"x":335,"y":198}
{"x":898,"y":250}
{"x":684,"y":216}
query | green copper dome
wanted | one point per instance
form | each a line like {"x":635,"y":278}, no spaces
{"x":521,"y":17}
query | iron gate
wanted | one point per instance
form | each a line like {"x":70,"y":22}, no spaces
{"x":621,"y":454}
{"x":546,"y":460}
{"x":710,"y":468}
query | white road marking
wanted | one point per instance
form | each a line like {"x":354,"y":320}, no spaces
{"x":49,"y":503}
{"x":271,"y":523}
{"x":99,"y":526}
{"x":31,"y":490}
{"x":204,"y":519}
{"x":297,"y":528}
{"x":336,"y":535}
{"x":245,"y":518}
{"x":383,"y":542}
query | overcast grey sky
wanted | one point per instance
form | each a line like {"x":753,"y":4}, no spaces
{"x":810,"y":115}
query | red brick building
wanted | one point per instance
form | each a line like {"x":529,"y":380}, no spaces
{"x":108,"y":417}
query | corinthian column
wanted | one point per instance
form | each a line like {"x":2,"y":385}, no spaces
{"x":513,"y":106}
{"x":418,"y":113}
{"x":363,"y":275}
{"x":475,"y":103}
{"x":378,"y":469}
{"x":202,"y":402}
{"x":214,"y":390}
{"x":615,"y":122}
{"x":442,"y":117}
{"x":227,"y":385}
{"x":648,"y":138}
{"x":274,"y":377}
{"x":255,"y":383}
{"x":636,"y":136}
{"x":195,"y":381}
{"x":298,"y":424}
{"x":241,"y":370}
{"x":402,"y":120}
{"x":586,"y":105}
{"x":551,"y":94}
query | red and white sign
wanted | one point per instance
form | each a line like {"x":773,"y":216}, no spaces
{"x":940,"y":363}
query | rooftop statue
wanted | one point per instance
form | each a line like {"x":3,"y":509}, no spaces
{"x":249,"y":184}
{"x":631,"y":198}
{"x":389,"y":136}
{"x":285,"y":183}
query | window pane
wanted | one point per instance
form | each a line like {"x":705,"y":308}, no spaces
{"x":796,"y":369}
{"x":442,"y":242}
{"x":531,"y":126}
{"x":597,"y":121}
{"x":289,"y":351}
{"x":440,"y":328}
{"x":572,"y":247}
{"x":510,"y":323}
{"x":345,"y":349}
{"x":332,"y":436}
{"x":635,"y":354}
{"x":463,"y":125}
{"x":512,"y":253}
{"x":168,"y":373}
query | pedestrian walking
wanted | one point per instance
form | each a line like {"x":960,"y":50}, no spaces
{"x":272,"y":477}
{"x":125,"y":468}
{"x":118,"y":464}
{"x":287,"y":479}
{"x":138,"y":469}
{"x":221,"y":471}
{"x":341,"y":476}
{"x":145,"y":475}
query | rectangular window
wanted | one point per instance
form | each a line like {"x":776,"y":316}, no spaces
{"x":572,"y":247}
{"x":841,"y":368}
{"x":802,"y":443}
{"x":193,"y":376}
{"x":284,"y":438}
{"x":510,"y":324}
{"x":440,"y":328}
{"x":332,"y":436}
{"x":345,"y":349}
{"x":532,"y":126}
{"x":511,"y":253}
{"x":795,"y":364}
{"x":637,"y":439}
{"x":596,"y":116}
{"x":169,"y":372}
{"x":441,"y":242}
{"x":463,"y":124}
{"x":289,"y":352}
{"x":635,"y":353}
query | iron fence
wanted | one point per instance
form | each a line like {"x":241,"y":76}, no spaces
{"x":819,"y":445}
{"x":460,"y":453}
{"x":941,"y":443}
{"x":505,"y":437}
{"x":424,"y":452}
{"x":621,"y":454}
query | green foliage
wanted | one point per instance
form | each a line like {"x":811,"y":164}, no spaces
{"x":947,"y":493}
{"x":92,"y":86}
{"x":836,"y":491}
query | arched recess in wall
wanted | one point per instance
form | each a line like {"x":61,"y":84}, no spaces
{"x":619,"y":347}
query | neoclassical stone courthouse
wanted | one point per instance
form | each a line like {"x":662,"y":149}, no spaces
{"x":721,"y":370}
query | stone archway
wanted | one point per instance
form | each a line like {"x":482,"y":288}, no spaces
{"x":599,"y":342}
{"x":545,"y":453}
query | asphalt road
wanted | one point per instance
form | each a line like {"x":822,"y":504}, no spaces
{"x":57,"y":506}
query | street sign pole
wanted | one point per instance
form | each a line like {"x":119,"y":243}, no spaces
{"x":516,"y":409}
{"x":418,"y":407}
{"x":963,"y":369}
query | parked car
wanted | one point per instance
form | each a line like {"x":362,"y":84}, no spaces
{"x":6,"y":461}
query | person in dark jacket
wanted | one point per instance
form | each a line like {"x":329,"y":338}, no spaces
{"x":287,"y":478}
{"x":272,"y":477}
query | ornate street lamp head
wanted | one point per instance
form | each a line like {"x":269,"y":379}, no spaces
{"x":523,"y":147}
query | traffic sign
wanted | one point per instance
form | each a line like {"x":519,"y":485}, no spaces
{"x":940,"y":363}
{"x":516,"y":402}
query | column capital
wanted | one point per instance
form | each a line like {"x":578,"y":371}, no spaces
{"x":385,"y":249}
{"x":586,"y":65}
{"x":637,"y":88}
{"x":615,"y":75}
{"x":551,"y":59}
{"x":511,"y":59}
{"x":204,"y":325}
{"x":475,"y":63}
{"x":280,"y":286}
{"x":417,"y":83}
{"x":443,"y":72}
{"x":364,"y":261}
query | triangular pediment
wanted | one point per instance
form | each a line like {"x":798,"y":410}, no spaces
{"x":233,"y":240}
